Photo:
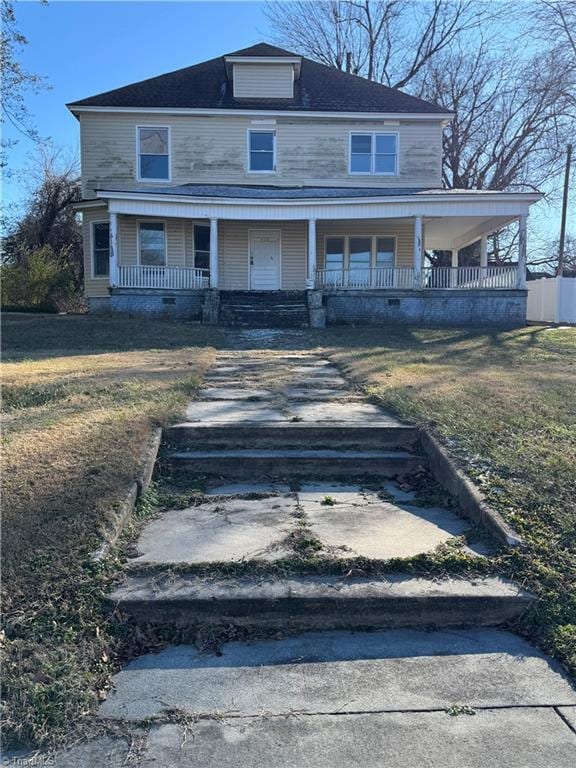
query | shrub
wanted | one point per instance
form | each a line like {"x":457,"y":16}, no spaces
{"x":38,"y":279}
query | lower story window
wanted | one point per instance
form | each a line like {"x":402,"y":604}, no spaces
{"x":152,"y":239}
{"x":349,"y":252}
{"x":101,"y":249}
{"x":201,"y":246}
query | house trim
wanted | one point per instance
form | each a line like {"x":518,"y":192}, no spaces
{"x":444,"y":116}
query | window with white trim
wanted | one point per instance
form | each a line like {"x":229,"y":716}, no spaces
{"x":152,"y":243}
{"x":374,"y":153}
{"x":261,"y":151}
{"x":201,"y":246}
{"x":153,"y":153}
{"x":359,"y":252}
{"x":100,"y":248}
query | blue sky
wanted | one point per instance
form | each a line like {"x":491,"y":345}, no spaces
{"x":84,"y":48}
{"x":121,"y":42}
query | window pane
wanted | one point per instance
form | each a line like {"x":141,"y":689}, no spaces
{"x":261,"y":161}
{"x":202,"y":260}
{"x":154,"y":166}
{"x":385,"y":163}
{"x":201,"y":238}
{"x":101,"y":263}
{"x":152,"y":244}
{"x":262,"y":141}
{"x":385,"y":252}
{"x":154,"y":141}
{"x":359,"y":252}
{"x":361,"y":163}
{"x":361,"y":143}
{"x":385,"y":144}
{"x":334,"y":253}
{"x":102,"y":235}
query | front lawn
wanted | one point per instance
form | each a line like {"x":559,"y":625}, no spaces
{"x":81,"y":398}
{"x":505,"y":405}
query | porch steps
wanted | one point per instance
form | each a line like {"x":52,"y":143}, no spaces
{"x":275,"y":435}
{"x":264,"y":309}
{"x":295,"y":462}
{"x":319,"y":602}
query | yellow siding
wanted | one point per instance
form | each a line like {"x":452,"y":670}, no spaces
{"x":214,"y":150}
{"x":402,"y":229}
{"x":94,"y":287}
{"x":233,"y":267}
{"x":263,"y":81}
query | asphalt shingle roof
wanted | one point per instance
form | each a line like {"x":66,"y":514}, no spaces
{"x":239,"y":192}
{"x":319,"y":89}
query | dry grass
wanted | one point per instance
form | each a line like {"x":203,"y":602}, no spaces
{"x":504,"y":403}
{"x":74,"y":429}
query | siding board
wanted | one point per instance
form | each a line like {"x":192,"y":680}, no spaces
{"x":213,"y":150}
{"x":263,"y":81}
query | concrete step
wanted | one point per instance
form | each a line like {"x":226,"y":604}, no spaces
{"x":283,"y":462}
{"x":320,"y":602}
{"x":190,"y":436}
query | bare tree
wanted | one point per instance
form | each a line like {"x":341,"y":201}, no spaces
{"x":15,"y":81}
{"x":390,"y":41}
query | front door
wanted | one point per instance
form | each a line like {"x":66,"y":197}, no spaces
{"x":264,"y":260}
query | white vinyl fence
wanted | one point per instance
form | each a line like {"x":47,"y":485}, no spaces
{"x":552,"y":300}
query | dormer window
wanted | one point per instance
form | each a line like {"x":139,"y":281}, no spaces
{"x":153,"y":145}
{"x":261,"y":151}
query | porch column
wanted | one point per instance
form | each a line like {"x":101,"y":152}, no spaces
{"x":521,"y":277}
{"x":454,"y":268}
{"x":213,"y":253}
{"x":418,"y":252}
{"x":483,"y":258}
{"x":114,"y":276}
{"x":311,"y":273}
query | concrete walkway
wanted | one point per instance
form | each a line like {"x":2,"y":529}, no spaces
{"x":294,"y":463}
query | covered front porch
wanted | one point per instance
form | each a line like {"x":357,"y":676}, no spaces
{"x":172,"y":243}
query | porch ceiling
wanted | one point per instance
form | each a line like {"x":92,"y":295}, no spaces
{"x":453,"y":232}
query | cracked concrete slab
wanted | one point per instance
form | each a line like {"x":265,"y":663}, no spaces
{"x":342,"y":671}
{"x":515,"y":738}
{"x":232,"y":411}
{"x":569,"y":714}
{"x":356,"y":412}
{"x":368,"y":527}
{"x":232,"y":393}
{"x":237,"y":489}
{"x":231,"y":530}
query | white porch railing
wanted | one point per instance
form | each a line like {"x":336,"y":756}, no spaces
{"x":467,"y":278}
{"x":470,"y":277}
{"x":171,"y":278}
{"x":375,"y":277}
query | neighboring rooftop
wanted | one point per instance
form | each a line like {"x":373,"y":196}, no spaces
{"x":207,"y":86}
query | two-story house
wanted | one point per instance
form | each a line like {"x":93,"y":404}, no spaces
{"x":264,"y":181}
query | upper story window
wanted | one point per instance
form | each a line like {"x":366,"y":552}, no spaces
{"x":152,"y":243}
{"x":261,"y":151}
{"x":100,"y":249}
{"x":153,"y":153}
{"x":374,"y":153}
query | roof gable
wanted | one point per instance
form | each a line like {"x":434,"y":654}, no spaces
{"x":207,"y":86}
